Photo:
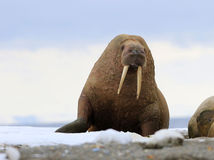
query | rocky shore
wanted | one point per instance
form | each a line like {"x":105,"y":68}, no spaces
{"x":189,"y":149}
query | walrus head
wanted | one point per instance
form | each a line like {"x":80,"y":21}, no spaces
{"x":204,"y":121}
{"x":133,"y":57}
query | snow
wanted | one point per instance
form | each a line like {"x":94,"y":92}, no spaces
{"x":165,"y":134}
{"x":36,"y":136}
{"x":165,"y":137}
{"x":113,"y":136}
{"x":12,"y":153}
{"x":3,"y":156}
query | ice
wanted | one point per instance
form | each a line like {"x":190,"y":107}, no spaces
{"x":3,"y":156}
{"x":111,"y":135}
{"x":12,"y":153}
{"x":36,"y":136}
{"x":165,"y":137}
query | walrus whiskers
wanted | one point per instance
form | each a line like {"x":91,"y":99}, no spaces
{"x":125,"y":70}
{"x":139,"y":80}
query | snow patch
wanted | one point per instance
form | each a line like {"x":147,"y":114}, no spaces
{"x":36,"y":136}
{"x":165,"y":137}
{"x":138,"y":138}
{"x":161,"y":138}
{"x":164,"y":134}
{"x":111,"y":135}
{"x":3,"y":156}
{"x":12,"y":153}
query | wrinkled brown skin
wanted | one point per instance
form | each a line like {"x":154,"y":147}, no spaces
{"x":101,"y":107}
{"x":201,"y":123}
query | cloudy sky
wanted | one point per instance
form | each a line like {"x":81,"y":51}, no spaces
{"x":47,"y":49}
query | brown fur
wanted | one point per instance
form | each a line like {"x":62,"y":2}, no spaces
{"x":101,"y":107}
{"x":201,"y":123}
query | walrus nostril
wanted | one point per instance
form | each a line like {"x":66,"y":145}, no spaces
{"x":135,"y":51}
{"x":122,"y":48}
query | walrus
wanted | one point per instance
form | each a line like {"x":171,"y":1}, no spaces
{"x":201,"y":123}
{"x":128,"y":102}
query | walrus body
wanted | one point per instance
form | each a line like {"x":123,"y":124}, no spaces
{"x":201,"y":123}
{"x":102,"y":106}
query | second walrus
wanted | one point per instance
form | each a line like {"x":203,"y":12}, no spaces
{"x":201,"y":123}
{"x":131,"y":102}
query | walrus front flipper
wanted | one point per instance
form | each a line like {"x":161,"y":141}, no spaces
{"x":77,"y":126}
{"x":83,"y":121}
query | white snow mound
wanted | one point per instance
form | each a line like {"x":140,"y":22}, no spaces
{"x":12,"y":153}
{"x":165,"y":137}
{"x":111,"y":135}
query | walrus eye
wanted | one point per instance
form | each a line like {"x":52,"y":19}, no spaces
{"x":122,"y":48}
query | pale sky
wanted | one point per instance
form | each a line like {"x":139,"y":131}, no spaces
{"x":47,"y":49}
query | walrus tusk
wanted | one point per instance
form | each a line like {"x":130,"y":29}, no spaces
{"x":125,"y":70}
{"x":139,"y":80}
